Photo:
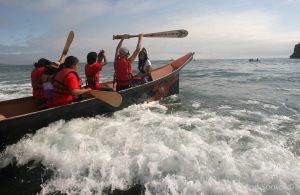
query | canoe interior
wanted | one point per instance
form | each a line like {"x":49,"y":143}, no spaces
{"x":21,"y":106}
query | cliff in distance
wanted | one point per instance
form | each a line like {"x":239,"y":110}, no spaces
{"x":296,"y":53}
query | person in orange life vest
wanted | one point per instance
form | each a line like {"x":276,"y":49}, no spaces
{"x":93,"y":69}
{"x":36,"y":82}
{"x":123,"y":63}
{"x":67,"y":84}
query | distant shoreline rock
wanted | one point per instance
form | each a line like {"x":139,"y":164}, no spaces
{"x":296,"y":53}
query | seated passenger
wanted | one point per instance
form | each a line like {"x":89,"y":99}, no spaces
{"x":67,"y":84}
{"x":36,"y":82}
{"x":93,"y":69}
{"x":47,"y":77}
{"x":50,"y":70}
{"x":144,"y":66}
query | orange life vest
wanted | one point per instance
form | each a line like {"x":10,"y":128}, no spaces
{"x":59,"y":86}
{"x":36,"y":81}
{"x":92,"y":72}
{"x":123,"y":71}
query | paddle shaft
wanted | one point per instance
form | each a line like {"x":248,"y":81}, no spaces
{"x":165,"y":34}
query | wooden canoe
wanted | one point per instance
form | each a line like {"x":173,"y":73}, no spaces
{"x":19,"y":117}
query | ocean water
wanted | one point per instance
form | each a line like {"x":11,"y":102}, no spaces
{"x":234,"y":128}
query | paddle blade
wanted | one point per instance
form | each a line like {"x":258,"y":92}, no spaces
{"x":110,"y":97}
{"x":69,"y":41}
{"x":169,"y":34}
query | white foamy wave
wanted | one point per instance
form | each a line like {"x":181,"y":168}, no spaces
{"x":178,"y":153}
{"x":264,"y":105}
{"x":288,"y":89}
{"x":252,"y":102}
{"x":271,"y":106}
{"x":224,"y":107}
{"x":12,"y":90}
{"x":173,"y":97}
{"x":196,"y":104}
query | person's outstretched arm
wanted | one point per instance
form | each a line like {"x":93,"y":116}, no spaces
{"x":137,"y":50}
{"x":102,"y":58}
{"x":125,"y":36}
{"x":80,"y":91}
{"x":62,"y":57}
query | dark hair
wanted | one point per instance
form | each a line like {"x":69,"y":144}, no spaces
{"x":91,"y":57}
{"x":43,"y":62}
{"x":61,"y":66}
{"x":142,"y":62}
{"x":50,"y":70}
{"x":70,"y":61}
{"x":35,"y":65}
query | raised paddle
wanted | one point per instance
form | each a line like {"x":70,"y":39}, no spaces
{"x":69,"y":40}
{"x":165,"y":34}
{"x":67,"y":46}
{"x":109,"y":97}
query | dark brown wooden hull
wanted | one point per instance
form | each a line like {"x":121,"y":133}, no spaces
{"x":14,"y":128}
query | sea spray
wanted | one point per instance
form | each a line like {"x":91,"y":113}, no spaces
{"x":177,"y":152}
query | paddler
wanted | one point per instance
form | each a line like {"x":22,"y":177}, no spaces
{"x":123,"y":63}
{"x":67,"y":84}
{"x":36,"y":82}
{"x":93,"y":68}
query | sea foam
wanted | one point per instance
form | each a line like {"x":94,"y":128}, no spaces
{"x":168,"y":153}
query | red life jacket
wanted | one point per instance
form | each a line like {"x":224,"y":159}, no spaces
{"x":92,"y":73}
{"x":59,"y":86}
{"x":123,"y":71}
{"x":61,"y":94}
{"x":36,"y":82}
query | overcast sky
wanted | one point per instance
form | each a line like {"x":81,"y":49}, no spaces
{"x":31,"y":29}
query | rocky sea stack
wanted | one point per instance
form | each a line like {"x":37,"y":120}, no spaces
{"x":296,"y":53}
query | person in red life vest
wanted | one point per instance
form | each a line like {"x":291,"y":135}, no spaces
{"x":123,"y":63}
{"x":67,"y":84}
{"x":36,"y":82}
{"x":50,"y":71}
{"x":93,"y":69}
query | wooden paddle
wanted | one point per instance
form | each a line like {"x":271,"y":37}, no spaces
{"x":67,"y":46}
{"x":69,"y":40}
{"x":110,"y":97}
{"x":165,"y":34}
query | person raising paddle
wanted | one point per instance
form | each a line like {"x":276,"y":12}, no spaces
{"x":93,"y":68}
{"x":123,"y":63}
